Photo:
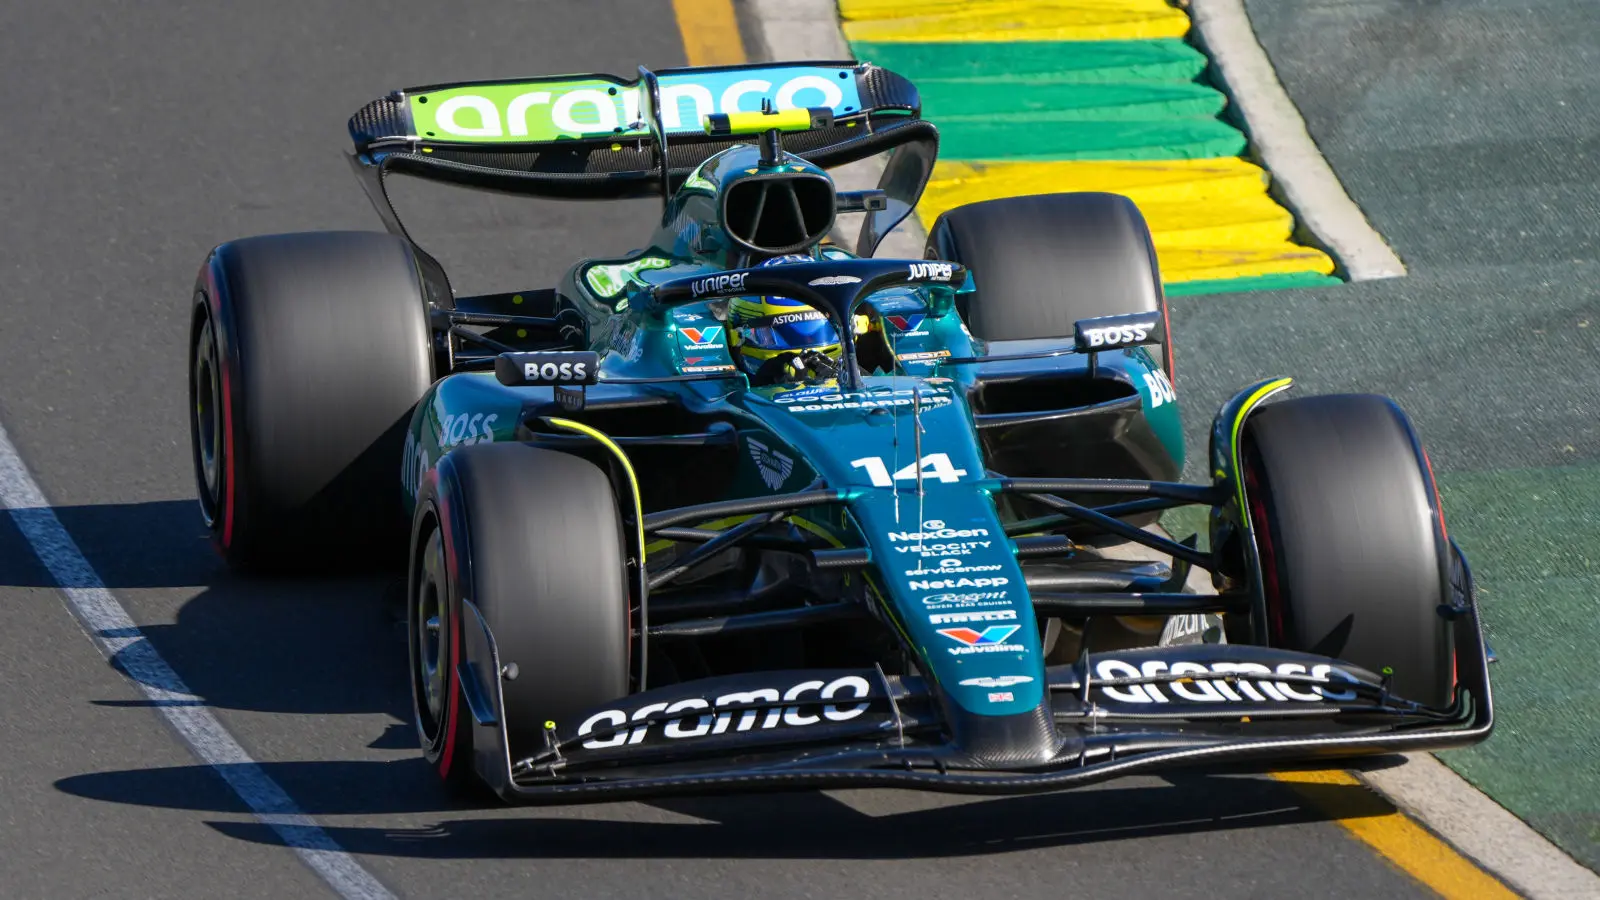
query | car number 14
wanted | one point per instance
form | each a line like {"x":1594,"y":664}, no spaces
{"x":934,"y":465}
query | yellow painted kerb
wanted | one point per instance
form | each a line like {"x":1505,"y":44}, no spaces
{"x":710,"y":32}
{"x":1210,"y":219}
{"x":939,"y":21}
{"x":1412,"y":848}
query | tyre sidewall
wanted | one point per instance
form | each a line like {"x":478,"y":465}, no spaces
{"x":1090,"y":253}
{"x":1355,"y":536}
{"x":447,"y":743}
{"x":324,"y":351}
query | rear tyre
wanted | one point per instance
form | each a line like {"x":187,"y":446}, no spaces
{"x":1040,"y":263}
{"x":1355,"y":563}
{"x":307,"y":354}
{"x":533,"y":538}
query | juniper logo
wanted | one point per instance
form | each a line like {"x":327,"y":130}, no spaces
{"x":539,"y":111}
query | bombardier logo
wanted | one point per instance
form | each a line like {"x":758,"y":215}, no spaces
{"x":827,"y":399}
{"x":717,"y":284}
{"x":703,"y":716}
{"x":1233,"y":682}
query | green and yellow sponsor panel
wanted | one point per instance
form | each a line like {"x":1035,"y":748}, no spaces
{"x":1037,"y":96}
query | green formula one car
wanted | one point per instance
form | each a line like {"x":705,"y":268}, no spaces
{"x":751,"y":507}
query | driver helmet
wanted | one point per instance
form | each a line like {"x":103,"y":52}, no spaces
{"x":769,"y":335}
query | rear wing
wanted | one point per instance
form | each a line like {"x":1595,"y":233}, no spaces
{"x":589,"y":137}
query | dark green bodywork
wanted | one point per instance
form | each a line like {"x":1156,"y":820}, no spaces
{"x":789,"y":436}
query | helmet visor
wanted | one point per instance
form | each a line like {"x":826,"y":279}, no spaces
{"x":790,"y":331}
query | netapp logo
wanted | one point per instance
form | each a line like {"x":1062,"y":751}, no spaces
{"x":945,"y":584}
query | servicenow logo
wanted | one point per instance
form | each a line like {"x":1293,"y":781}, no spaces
{"x":549,"y":110}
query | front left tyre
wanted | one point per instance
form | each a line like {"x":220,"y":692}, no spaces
{"x":307,"y":354}
{"x":1355,"y":563}
{"x":531,"y":541}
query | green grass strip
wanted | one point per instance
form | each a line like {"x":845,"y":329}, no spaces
{"x":1039,"y":62}
{"x":1534,"y":542}
{"x":1182,"y":138}
{"x":950,"y":102}
{"x":1252,"y":283}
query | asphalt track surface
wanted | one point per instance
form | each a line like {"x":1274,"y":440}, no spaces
{"x":143,"y":135}
{"x":1468,"y":133}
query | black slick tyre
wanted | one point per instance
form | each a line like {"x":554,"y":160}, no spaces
{"x":1040,"y":263}
{"x":1355,"y":562}
{"x":307,"y":354}
{"x":532,"y":539}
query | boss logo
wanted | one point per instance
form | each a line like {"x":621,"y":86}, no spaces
{"x":1112,"y":332}
{"x":547,"y":368}
{"x":1110,"y":337}
{"x":554,"y":372}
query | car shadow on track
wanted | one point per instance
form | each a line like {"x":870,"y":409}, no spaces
{"x":808,"y":824}
{"x":332,"y":644}
{"x":335,"y":646}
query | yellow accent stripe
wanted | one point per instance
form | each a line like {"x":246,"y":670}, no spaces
{"x":633,"y":480}
{"x":1409,"y":846}
{"x":1262,"y":393}
{"x":710,"y":32}
{"x":1209,"y":218}
{"x":884,"y":21}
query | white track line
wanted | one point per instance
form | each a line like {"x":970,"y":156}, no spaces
{"x":1482,"y":829}
{"x":1279,"y":137}
{"x":108,"y":625}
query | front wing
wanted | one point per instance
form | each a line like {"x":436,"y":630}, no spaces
{"x":1114,"y":714}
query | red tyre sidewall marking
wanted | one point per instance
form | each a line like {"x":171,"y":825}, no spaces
{"x":1265,"y":554}
{"x":447,"y":755}
{"x":225,"y":362}
{"x":1172,"y":357}
{"x":1444,"y":534}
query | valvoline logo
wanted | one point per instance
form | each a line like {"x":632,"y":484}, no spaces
{"x":907,"y":322}
{"x":701,"y":336}
{"x":994,"y":634}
